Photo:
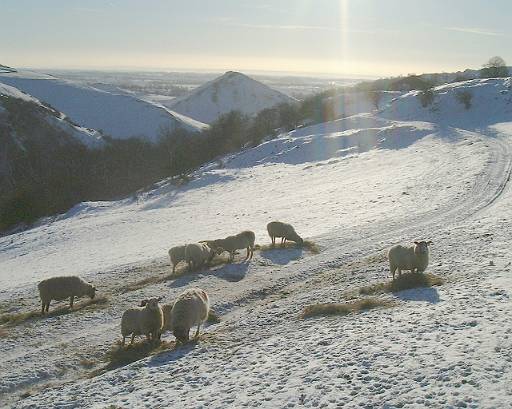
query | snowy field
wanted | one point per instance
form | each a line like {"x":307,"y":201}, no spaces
{"x":354,"y":186}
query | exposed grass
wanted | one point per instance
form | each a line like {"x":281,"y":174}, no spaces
{"x":308,"y":245}
{"x":3,"y":333}
{"x":216,"y":261}
{"x":21,"y":317}
{"x":123,"y":355}
{"x":404,"y":282}
{"x":365,"y":304}
{"x":213,"y":317}
{"x":157,"y":279}
{"x":87,"y":363}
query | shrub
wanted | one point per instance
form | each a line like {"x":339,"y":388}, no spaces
{"x":464,"y":97}
{"x":426,"y":97}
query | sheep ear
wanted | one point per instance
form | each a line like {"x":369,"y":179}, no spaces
{"x":416,"y":242}
{"x":143,"y":303}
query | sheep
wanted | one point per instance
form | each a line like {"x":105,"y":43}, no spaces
{"x":409,"y":257}
{"x":285,"y":231}
{"x":196,"y":254}
{"x":59,"y":288}
{"x":190,"y":308}
{"x":243,"y":240}
{"x":145,"y":320}
{"x":177,"y":254}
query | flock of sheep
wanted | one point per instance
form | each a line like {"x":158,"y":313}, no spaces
{"x":192,"y":306}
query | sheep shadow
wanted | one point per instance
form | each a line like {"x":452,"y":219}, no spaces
{"x":428,"y":294}
{"x":171,"y":355}
{"x":232,"y":272}
{"x":282,"y":255}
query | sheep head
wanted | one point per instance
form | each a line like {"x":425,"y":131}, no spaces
{"x":421,"y":247}
{"x":91,"y":292}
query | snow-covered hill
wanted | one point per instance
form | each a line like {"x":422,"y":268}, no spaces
{"x":354,"y":186}
{"x":113,"y":113}
{"x":89,"y":137}
{"x":231,"y":91}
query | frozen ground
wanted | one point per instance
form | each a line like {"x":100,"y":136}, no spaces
{"x":353,"y":186}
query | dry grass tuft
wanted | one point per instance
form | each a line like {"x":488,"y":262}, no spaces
{"x":123,"y":355}
{"x":3,"y":333}
{"x":345,"y":308}
{"x":21,"y":317}
{"x":87,"y":363}
{"x":308,"y":245}
{"x":213,"y":317}
{"x":404,"y":282}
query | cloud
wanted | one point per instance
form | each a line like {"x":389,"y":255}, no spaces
{"x":472,"y":30}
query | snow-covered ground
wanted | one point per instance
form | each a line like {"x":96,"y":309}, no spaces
{"x":231,"y":91}
{"x":353,"y":186}
{"x":111,"y":111}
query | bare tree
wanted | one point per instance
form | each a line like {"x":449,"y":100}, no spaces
{"x":496,"y":67}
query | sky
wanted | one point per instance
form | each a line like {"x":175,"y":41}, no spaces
{"x":332,"y":37}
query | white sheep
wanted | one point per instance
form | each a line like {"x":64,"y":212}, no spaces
{"x":243,"y":240}
{"x":283,"y":230}
{"x":146,"y":320}
{"x":409,"y":257}
{"x":190,"y":308}
{"x":60,"y":288}
{"x":197,"y":254}
{"x":177,"y":254}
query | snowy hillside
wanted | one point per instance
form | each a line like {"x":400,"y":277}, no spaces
{"x":354,"y":187}
{"x":231,"y":91}
{"x":88,"y":137}
{"x":114,"y":113}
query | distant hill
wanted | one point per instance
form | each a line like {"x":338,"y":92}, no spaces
{"x":229,"y":92}
{"x":116,"y":114}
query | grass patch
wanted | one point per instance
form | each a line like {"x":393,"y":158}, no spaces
{"x":365,"y":304}
{"x":144,"y":283}
{"x":21,"y":317}
{"x":404,"y":282}
{"x":3,"y":333}
{"x":213,"y":317}
{"x":308,"y":245}
{"x":87,"y":363}
{"x":123,"y":355}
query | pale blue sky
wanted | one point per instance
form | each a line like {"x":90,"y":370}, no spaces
{"x":358,"y":37}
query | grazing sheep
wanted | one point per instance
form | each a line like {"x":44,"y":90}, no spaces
{"x":243,"y":240}
{"x":190,"y":308}
{"x":196,"y":254}
{"x":60,"y":288}
{"x":145,"y":320}
{"x":283,"y":230}
{"x":409,"y":257}
{"x":177,"y":254}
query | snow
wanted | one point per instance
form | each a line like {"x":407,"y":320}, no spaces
{"x":114,"y":113}
{"x":231,"y":91}
{"x":354,"y":186}
{"x":89,"y":137}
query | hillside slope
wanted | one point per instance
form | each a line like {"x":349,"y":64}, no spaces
{"x":116,"y":114}
{"x":353,"y":186}
{"x":231,"y":91}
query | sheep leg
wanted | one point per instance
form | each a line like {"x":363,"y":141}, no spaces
{"x":282,"y":241}
{"x":173,"y":268}
{"x":248,"y":251}
{"x":197,"y":331}
{"x":133,"y":339}
{"x":399,"y":273}
{"x":252,"y":252}
{"x":48,"y":306}
{"x":42,"y":308}
{"x":71,"y":299}
{"x":124,"y":338}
